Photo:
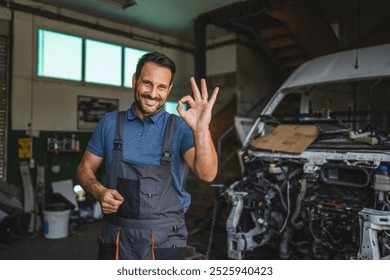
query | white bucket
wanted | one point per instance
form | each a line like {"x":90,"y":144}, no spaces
{"x":56,"y":224}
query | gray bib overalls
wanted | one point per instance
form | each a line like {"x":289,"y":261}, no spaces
{"x":150,"y":222}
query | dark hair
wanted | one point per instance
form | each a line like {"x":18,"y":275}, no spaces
{"x":157,"y":58}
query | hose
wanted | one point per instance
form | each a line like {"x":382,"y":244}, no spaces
{"x":212,"y":228}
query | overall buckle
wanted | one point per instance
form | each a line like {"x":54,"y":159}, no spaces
{"x":117,"y":145}
{"x":167,"y":157}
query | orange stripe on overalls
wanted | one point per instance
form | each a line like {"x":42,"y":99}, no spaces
{"x":153,"y":256}
{"x":117,"y":244}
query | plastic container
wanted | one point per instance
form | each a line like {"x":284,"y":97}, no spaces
{"x":56,"y":224}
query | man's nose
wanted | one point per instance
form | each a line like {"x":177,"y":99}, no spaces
{"x":153,"y":92}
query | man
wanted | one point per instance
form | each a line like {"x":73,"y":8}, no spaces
{"x":145,"y":151}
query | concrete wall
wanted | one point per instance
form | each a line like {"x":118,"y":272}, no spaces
{"x":243,"y":73}
{"x":257,"y":81}
{"x":221,"y":59}
{"x":221,"y":67}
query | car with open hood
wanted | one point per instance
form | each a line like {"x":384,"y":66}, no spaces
{"x":315,"y":165}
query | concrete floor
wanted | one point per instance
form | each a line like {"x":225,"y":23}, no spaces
{"x":81,"y":244}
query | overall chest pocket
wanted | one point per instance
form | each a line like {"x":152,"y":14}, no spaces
{"x":150,"y":196}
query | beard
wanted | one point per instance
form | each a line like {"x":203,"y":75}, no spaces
{"x":147,"y":110}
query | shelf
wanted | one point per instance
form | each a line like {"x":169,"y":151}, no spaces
{"x":63,"y":151}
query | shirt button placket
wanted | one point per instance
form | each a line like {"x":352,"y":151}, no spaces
{"x":141,"y":132}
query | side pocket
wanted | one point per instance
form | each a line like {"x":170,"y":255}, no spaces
{"x":129,"y":189}
{"x":106,"y":250}
{"x":170,"y":242}
{"x":170,"y":253}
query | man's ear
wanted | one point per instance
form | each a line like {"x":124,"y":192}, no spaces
{"x":133,"y":81}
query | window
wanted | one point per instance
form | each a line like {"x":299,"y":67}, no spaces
{"x":59,"y":55}
{"x":103,"y":63}
{"x":170,"y":107}
{"x":131,"y":59}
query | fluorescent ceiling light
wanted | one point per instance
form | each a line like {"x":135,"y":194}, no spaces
{"x":120,"y":4}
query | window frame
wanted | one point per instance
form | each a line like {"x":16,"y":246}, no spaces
{"x":40,"y":60}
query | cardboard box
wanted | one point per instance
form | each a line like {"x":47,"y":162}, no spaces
{"x":287,"y":138}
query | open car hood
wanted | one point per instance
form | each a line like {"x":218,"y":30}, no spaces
{"x":353,"y":65}
{"x":343,"y":66}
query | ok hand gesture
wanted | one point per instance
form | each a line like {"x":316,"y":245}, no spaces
{"x":199,"y":111}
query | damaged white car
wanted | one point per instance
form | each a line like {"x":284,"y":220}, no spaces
{"x":315,"y":165}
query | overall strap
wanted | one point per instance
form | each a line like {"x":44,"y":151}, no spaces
{"x":166,"y":158}
{"x":120,"y":116}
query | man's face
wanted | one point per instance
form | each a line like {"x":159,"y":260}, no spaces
{"x":151,"y":90}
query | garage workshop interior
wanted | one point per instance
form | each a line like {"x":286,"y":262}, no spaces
{"x":301,"y":125}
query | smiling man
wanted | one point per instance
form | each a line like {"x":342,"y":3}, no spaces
{"x":146,"y":151}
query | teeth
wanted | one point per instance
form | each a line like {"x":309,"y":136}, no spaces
{"x":150,"y":102}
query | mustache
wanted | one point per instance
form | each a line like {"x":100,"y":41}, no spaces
{"x":147,"y":96}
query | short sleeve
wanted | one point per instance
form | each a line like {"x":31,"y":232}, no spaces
{"x":102,"y":135}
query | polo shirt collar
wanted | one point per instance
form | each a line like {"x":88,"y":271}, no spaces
{"x":131,"y":114}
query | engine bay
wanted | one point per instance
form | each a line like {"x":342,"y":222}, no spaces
{"x":299,"y":208}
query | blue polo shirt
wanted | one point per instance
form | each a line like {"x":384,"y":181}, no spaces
{"x":142,"y":144}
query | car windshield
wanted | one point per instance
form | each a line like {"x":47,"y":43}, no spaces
{"x":338,"y":109}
